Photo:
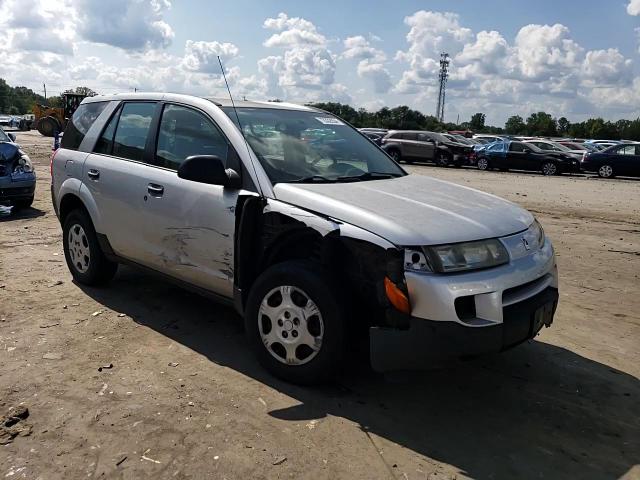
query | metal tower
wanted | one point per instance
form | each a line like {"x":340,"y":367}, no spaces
{"x":443,"y":76}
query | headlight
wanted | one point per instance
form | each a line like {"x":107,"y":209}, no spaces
{"x":457,"y":257}
{"x":537,"y":232}
{"x":24,"y":165}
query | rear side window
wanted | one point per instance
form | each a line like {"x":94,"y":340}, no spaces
{"x":80,"y":123}
{"x":105,"y":142}
{"x":185,"y":132}
{"x":132,"y":129}
{"x":517,"y":147}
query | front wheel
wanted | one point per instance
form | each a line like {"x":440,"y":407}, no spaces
{"x":549,"y":168}
{"x":442,"y":160}
{"x":83,"y":254}
{"x":606,"y":171}
{"x":294,"y":321}
{"x":483,"y":164}
{"x":395,"y":154}
{"x":23,"y":204}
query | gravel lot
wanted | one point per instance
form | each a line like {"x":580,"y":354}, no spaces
{"x":185,"y":399}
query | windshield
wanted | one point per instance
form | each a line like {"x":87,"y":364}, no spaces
{"x":3,"y":136}
{"x":562,"y":148}
{"x":299,"y":146}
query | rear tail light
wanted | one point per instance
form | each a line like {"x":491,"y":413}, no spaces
{"x":53,"y":155}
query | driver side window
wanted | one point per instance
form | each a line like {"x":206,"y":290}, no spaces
{"x":185,"y":132}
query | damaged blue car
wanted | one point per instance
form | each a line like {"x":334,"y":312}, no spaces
{"x":17,"y":176}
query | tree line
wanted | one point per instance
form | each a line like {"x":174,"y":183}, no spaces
{"x":537,"y":124}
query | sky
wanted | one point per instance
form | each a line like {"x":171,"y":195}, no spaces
{"x":572,"y":58}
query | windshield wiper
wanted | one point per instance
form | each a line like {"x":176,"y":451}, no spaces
{"x":311,"y":179}
{"x":368,"y":176}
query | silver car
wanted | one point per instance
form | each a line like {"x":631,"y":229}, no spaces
{"x":303,"y":225}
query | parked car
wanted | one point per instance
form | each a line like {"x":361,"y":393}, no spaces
{"x":302,"y":239}
{"x":412,"y":145}
{"x":516,"y":155}
{"x":551,"y":146}
{"x":621,"y":159}
{"x":579,"y":147}
{"x":488,"y":138}
{"x":603,"y":144}
{"x":17,"y":177}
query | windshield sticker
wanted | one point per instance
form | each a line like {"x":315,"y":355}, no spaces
{"x":329,"y":121}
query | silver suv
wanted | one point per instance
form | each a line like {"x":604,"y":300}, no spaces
{"x":303,"y":225}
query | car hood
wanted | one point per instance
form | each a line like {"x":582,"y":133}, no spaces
{"x":411,"y":210}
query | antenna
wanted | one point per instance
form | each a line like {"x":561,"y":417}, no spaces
{"x":442,"y":76}
{"x":235,"y":110}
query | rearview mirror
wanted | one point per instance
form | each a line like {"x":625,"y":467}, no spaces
{"x":208,"y":169}
{"x":12,"y":136}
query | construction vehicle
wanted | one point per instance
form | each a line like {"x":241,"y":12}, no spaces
{"x":49,"y":120}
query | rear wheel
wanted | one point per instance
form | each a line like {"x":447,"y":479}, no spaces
{"x":294,"y":321}
{"x":549,"y":168}
{"x":483,"y":163}
{"x":606,"y":171}
{"x":85,"y":259}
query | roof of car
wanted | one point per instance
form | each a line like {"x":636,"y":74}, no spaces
{"x":221,"y":102}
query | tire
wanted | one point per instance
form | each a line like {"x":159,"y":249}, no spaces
{"x":47,"y":126}
{"x":442,"y":159}
{"x":23,"y":204}
{"x":85,"y":259}
{"x":606,"y":171}
{"x":270,"y":326}
{"x":395,"y":154}
{"x":549,"y":169}
{"x":483,"y":164}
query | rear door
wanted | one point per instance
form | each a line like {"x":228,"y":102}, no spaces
{"x":116,"y":173}
{"x":188,"y":226}
{"x":625,"y":160}
{"x":516,"y":156}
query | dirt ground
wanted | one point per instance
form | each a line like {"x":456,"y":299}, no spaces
{"x":185,"y":399}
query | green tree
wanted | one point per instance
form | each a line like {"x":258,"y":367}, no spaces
{"x":541,"y":124}
{"x":477,"y":122}
{"x":515,"y":125}
{"x":563,"y":125}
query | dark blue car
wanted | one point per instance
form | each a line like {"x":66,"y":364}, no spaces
{"x":17,"y":177}
{"x":617,"y":160}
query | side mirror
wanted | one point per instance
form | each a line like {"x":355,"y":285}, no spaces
{"x":12,"y":136}
{"x":208,"y":169}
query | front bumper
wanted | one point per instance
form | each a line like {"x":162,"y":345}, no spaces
{"x":427,"y":340}
{"x":470,"y":313}
{"x":12,"y":190}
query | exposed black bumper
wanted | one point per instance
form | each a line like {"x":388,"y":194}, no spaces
{"x":427,"y":340}
{"x":17,"y":193}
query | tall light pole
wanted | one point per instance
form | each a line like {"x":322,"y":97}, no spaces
{"x":443,"y":76}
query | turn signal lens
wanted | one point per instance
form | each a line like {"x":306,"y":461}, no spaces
{"x":396,"y":296}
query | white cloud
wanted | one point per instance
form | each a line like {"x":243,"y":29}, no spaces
{"x":203,"y":56}
{"x":607,"y":67}
{"x":371,"y":64}
{"x":293,"y":32}
{"x":633,"y":8}
{"x":130,"y":25}
{"x":359,"y":48}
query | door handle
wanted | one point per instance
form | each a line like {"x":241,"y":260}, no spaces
{"x":94,"y":174}
{"x":155,"y":190}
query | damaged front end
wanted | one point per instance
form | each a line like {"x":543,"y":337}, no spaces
{"x":368,"y":269}
{"x":17,"y":176}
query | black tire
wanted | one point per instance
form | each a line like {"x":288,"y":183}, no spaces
{"x":395,"y":154}
{"x":317,"y":285}
{"x":22,"y":204}
{"x":606,"y":171}
{"x":99,"y":270}
{"x":442,"y":159}
{"x":483,"y":164}
{"x":550,"y":169}
{"x":47,"y":126}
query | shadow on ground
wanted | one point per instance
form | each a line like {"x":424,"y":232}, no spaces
{"x":8,"y":214}
{"x":539,"y":411}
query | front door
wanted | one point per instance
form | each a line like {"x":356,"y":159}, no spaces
{"x":189,"y":225}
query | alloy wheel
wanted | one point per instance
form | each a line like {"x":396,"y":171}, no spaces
{"x":290,"y":325}
{"x":605,"y":171}
{"x":78,"y":246}
{"x":549,"y":168}
{"x":483,"y":164}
